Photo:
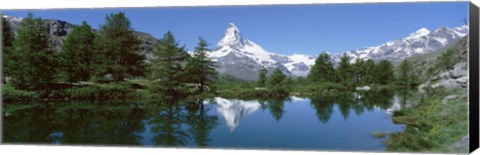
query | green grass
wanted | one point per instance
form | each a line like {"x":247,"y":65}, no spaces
{"x":432,"y":125}
{"x":11,"y":94}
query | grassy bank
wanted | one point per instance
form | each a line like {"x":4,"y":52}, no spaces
{"x":90,"y":91}
{"x":434,"y":124}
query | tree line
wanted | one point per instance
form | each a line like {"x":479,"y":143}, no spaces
{"x":112,"y":54}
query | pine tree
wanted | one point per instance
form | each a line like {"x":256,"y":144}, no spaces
{"x":118,"y":48}
{"x":384,"y":72}
{"x":262,"y":77}
{"x":166,"y":69}
{"x":323,"y":70}
{"x":7,"y":48}
{"x":77,"y":53}
{"x":405,"y":75}
{"x":447,"y":59}
{"x":35,"y":62}
{"x":370,"y":72}
{"x":200,"y":69}
{"x":276,"y":78}
{"x":359,"y":71}
{"x":344,"y":71}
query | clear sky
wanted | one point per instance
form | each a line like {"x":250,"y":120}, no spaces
{"x":284,"y":29}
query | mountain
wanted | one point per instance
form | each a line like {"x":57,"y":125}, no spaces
{"x":242,"y":58}
{"x":59,"y":30}
{"x":422,"y":41}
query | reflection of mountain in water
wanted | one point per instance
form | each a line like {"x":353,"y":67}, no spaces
{"x":232,"y":110}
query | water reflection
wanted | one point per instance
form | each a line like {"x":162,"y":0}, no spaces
{"x":175,"y":122}
{"x":232,"y":110}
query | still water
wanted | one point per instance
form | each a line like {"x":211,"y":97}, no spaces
{"x":344,"y":122}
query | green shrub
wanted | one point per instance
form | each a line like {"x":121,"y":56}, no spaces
{"x":11,"y":94}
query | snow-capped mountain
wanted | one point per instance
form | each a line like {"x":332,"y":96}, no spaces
{"x":242,"y":58}
{"x":420,"y":42}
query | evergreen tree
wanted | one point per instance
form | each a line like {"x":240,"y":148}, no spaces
{"x":405,"y":75}
{"x":200,"y":69}
{"x":262,"y":77}
{"x":370,"y":72}
{"x":7,"y":48}
{"x":384,"y":72}
{"x":34,"y":60}
{"x":166,"y":69}
{"x":119,"y":53}
{"x":447,"y":59}
{"x":322,"y":70}
{"x":344,"y":71}
{"x":276,"y":78}
{"x":77,"y":53}
{"x":359,"y":71}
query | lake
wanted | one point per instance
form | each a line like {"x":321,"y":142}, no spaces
{"x":342,"y":123}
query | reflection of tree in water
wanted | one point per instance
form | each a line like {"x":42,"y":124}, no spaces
{"x":200,"y":122}
{"x":345,"y":102}
{"x":356,"y":101}
{"x":31,"y":123}
{"x":77,"y":123}
{"x":380,"y":98}
{"x":113,"y":122}
{"x":167,"y":120}
{"x":324,"y":107}
{"x":276,"y":107}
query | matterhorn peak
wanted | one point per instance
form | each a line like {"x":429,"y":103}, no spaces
{"x":231,"y":37}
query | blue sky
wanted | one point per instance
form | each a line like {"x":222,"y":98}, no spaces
{"x":285,"y":29}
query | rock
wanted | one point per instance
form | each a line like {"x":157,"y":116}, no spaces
{"x":459,"y":70}
{"x":462,"y":143}
{"x":363,"y":88}
{"x":446,"y":83}
{"x":462,"y":80}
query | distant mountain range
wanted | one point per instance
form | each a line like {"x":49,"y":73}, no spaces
{"x":242,"y":58}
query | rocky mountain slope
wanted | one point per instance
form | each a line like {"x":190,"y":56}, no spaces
{"x":59,"y":30}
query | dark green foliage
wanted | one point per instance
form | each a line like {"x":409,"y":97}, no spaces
{"x":384,"y":72}
{"x":35,"y":62}
{"x":7,"y":48}
{"x":370,"y":72}
{"x":118,"y":49}
{"x":200,"y":70}
{"x":166,"y":69}
{"x":344,"y":71}
{"x":276,"y":78}
{"x":95,"y":92}
{"x":406,"y":76}
{"x":359,"y":72}
{"x":200,"y":122}
{"x":447,"y":59}
{"x":262,"y":77}
{"x":323,"y":70}
{"x":279,"y":83}
{"x":77,"y":54}
{"x":11,"y":94}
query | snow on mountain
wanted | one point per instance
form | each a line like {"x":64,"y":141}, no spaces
{"x":242,"y":58}
{"x":422,"y":41}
